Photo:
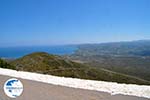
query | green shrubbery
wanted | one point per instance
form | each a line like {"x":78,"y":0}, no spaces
{"x":4,"y":64}
{"x":56,"y":65}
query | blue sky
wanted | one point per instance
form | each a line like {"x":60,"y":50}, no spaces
{"x":51,"y":22}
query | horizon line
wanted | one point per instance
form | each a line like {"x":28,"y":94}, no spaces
{"x":67,"y":44}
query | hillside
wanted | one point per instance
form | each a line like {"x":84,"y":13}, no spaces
{"x":44,"y":63}
{"x":131,"y":58}
{"x":4,"y":64}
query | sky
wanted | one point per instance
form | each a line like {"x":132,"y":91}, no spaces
{"x":57,"y":22}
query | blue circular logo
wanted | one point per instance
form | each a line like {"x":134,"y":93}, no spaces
{"x":13,"y":88}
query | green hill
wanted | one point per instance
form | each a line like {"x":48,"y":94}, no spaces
{"x":4,"y":64}
{"x":44,"y":63}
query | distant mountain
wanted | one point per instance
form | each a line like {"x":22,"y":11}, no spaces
{"x":134,"y":48}
{"x":131,"y":58}
{"x":41,"y":62}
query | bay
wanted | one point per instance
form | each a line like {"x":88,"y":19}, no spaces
{"x":16,"y":52}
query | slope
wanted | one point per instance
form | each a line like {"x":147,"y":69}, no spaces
{"x":131,"y":58}
{"x":44,"y":63}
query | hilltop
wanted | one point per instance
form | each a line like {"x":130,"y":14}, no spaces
{"x":41,"y":62}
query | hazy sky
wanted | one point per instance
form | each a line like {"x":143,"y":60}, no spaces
{"x":50,"y":22}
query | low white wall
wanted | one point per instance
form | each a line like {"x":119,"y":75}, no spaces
{"x":110,"y":87}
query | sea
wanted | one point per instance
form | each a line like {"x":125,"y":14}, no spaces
{"x":16,"y":52}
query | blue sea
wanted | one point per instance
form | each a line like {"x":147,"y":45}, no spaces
{"x":16,"y":52}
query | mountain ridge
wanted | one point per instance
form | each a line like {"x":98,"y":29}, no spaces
{"x":41,"y":62}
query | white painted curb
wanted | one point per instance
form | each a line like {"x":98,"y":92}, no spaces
{"x":110,"y":87}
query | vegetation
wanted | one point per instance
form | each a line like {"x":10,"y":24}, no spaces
{"x":123,"y":62}
{"x":130,"y":58}
{"x":55,"y":65}
{"x":4,"y":64}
